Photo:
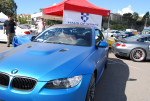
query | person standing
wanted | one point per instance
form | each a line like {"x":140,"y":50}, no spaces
{"x":10,"y":30}
{"x":41,"y":26}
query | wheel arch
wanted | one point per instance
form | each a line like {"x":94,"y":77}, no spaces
{"x":95,"y":73}
{"x":138,"y":48}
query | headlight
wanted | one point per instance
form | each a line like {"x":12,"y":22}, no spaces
{"x":64,"y":83}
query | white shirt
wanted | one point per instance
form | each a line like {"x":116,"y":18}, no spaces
{"x":41,"y":27}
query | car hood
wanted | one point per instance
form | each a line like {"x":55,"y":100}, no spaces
{"x":43,"y":61}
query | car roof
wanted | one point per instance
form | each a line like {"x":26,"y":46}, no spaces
{"x":145,"y":35}
{"x":1,"y":23}
{"x":72,"y":25}
{"x":134,"y":38}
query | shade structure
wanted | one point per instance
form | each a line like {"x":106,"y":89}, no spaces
{"x":75,"y":5}
{"x":50,"y":17}
{"x":3,"y":17}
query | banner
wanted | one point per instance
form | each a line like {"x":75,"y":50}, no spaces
{"x":71,"y":17}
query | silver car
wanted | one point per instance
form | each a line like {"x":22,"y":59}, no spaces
{"x":136,"y":47}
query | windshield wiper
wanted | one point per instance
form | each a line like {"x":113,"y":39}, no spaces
{"x":57,"y":42}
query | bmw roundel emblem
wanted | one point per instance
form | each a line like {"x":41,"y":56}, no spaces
{"x":14,"y":71}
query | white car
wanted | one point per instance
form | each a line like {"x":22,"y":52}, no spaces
{"x":112,"y":33}
{"x":33,"y":28}
{"x":3,"y":37}
{"x":20,"y":30}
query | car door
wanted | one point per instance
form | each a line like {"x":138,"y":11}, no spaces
{"x":3,"y":37}
{"x":100,"y":52}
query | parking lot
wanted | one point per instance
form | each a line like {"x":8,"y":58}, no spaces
{"x":123,"y":80}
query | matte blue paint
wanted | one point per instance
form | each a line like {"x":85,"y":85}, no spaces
{"x":44,"y":62}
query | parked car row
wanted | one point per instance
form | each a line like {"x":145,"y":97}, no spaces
{"x":114,"y":36}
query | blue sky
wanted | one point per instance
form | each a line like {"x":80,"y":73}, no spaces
{"x":121,"y":6}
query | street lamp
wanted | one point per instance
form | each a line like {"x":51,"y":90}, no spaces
{"x":146,"y":22}
{"x":108,"y":26}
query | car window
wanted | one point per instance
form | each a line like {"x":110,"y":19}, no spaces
{"x":112,"y":32}
{"x":1,"y":27}
{"x":23,"y":27}
{"x":117,"y":32}
{"x":144,"y":39}
{"x":98,"y":35}
{"x":69,"y":36}
{"x":140,"y":40}
{"x":148,"y":39}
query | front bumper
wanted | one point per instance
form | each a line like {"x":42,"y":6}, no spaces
{"x":39,"y":93}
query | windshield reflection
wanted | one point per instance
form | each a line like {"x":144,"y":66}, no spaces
{"x":69,"y":36}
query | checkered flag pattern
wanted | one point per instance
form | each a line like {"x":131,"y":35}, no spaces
{"x":84,"y":16}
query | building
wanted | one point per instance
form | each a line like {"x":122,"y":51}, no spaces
{"x":23,"y":18}
{"x":115,"y":17}
{"x":36,"y":17}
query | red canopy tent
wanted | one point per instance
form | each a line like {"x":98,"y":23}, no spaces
{"x":77,"y":6}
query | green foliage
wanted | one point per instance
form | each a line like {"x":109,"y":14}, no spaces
{"x":41,"y":9}
{"x":135,"y":16}
{"x":23,"y":19}
{"x":117,"y":27}
{"x":129,"y":20}
{"x":147,"y":15}
{"x":105,"y":27}
{"x":105,"y":19}
{"x":52,"y":22}
{"x":8,"y":7}
{"x":115,"y":22}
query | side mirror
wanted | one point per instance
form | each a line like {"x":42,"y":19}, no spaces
{"x":33,"y":37}
{"x":103,"y":44}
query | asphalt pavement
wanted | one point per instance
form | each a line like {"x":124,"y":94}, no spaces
{"x":123,"y":80}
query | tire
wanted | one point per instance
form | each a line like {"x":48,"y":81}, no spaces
{"x":118,"y":56}
{"x":138,"y":55}
{"x":91,"y":89}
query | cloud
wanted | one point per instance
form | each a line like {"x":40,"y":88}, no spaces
{"x":114,"y":10}
{"x":54,"y":4}
{"x":126,"y":10}
{"x":141,"y":15}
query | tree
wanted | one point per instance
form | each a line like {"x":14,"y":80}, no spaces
{"x":41,"y":9}
{"x":117,"y":27}
{"x":8,"y":7}
{"x":128,"y":20}
{"x":135,"y":16}
{"x":146,"y":17}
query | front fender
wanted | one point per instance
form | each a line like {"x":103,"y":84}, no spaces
{"x":88,"y":66}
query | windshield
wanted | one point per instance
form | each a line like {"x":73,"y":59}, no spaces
{"x":144,"y":39}
{"x":23,"y":26}
{"x":129,"y":33}
{"x":70,"y":36}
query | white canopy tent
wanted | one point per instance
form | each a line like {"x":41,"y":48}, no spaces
{"x":3,"y":17}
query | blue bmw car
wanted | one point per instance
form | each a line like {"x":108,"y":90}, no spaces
{"x":63,"y":63}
